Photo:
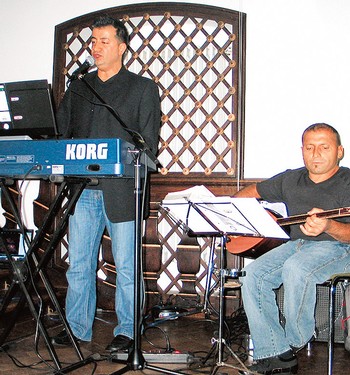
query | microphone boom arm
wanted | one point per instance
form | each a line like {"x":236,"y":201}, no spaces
{"x":137,"y":138}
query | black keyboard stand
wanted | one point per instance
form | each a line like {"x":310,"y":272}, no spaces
{"x":68,"y":192}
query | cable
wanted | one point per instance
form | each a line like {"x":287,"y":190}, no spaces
{"x":26,"y":242}
{"x":18,"y":363}
{"x":168,"y":348}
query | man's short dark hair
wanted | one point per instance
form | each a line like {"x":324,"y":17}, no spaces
{"x":320,"y":126}
{"x":121,"y":30}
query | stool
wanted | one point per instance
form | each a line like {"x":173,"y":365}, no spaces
{"x":332,"y":284}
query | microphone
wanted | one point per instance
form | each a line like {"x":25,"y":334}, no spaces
{"x":83,"y":69}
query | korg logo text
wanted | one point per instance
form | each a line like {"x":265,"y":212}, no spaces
{"x":89,"y":151}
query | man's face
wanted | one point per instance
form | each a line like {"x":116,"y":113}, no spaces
{"x":321,"y":154}
{"x":107,"y":50}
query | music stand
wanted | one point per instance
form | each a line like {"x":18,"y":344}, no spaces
{"x":220,"y":217}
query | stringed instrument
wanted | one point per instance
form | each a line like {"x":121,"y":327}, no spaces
{"x":253,"y":247}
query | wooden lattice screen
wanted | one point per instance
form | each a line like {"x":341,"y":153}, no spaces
{"x":195,"y":53}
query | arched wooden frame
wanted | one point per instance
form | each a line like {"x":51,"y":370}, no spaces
{"x":196,"y":55}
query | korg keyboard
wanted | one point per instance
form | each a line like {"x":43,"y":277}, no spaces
{"x":105,"y":157}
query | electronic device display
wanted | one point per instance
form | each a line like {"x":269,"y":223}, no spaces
{"x":5,"y":117}
{"x":26,"y":110}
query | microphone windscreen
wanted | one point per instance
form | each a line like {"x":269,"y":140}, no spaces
{"x":90,"y":60}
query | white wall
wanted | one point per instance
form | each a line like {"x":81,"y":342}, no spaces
{"x":298,"y":66}
{"x":298,"y":73}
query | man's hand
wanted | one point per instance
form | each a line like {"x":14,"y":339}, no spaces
{"x":314,"y":225}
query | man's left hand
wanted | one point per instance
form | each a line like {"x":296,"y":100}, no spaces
{"x":314,"y":225}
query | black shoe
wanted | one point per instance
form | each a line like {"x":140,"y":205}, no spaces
{"x":120,"y":342}
{"x":62,"y":339}
{"x":297,"y":349}
{"x":285,"y":363}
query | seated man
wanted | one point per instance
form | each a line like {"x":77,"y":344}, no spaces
{"x":317,"y":249}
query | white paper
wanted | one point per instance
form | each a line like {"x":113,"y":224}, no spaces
{"x":224,"y":215}
{"x":192,"y":193}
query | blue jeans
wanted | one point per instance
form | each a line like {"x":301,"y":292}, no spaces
{"x":298,"y":265}
{"x":86,"y":228}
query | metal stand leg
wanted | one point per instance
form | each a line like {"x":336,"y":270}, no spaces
{"x":332,"y":290}
{"x":209,"y":277}
{"x":332,"y":283}
{"x":219,"y":344}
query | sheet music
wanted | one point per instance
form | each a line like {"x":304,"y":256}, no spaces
{"x":225,"y":215}
{"x":197,"y":192}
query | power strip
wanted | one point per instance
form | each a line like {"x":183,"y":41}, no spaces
{"x":158,"y":357}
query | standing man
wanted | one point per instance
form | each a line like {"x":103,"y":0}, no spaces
{"x":110,"y":204}
{"x":317,"y":249}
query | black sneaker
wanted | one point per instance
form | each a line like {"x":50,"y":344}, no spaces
{"x":63,"y":339}
{"x":120,"y":342}
{"x":285,"y":363}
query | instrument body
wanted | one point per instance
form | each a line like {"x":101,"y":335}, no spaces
{"x":253,"y":247}
{"x":104,"y":157}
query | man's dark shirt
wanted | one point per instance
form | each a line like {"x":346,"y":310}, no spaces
{"x":136,"y":102}
{"x":301,"y":194}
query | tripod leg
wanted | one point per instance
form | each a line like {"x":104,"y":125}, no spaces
{"x":162,"y":370}
{"x":221,"y":342}
{"x":221,"y":298}
{"x":209,"y":276}
{"x":210,"y":353}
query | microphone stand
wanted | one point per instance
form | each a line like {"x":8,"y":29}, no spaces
{"x":136,"y":360}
